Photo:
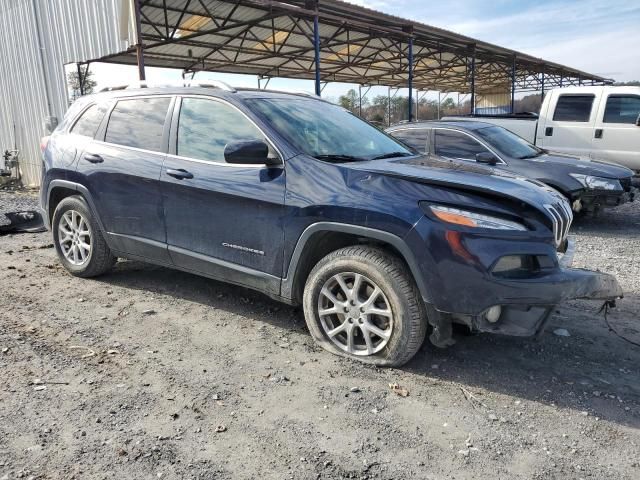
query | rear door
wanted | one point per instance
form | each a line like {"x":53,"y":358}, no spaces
{"x":616,"y":136}
{"x":122,"y":172}
{"x":223,"y":220}
{"x":569,"y":124}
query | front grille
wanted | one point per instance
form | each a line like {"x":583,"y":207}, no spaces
{"x":562,"y":217}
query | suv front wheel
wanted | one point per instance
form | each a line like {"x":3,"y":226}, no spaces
{"x":362,"y":302}
{"x":78,"y":239}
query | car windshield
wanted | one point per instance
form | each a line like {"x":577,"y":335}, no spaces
{"x":326,"y":131}
{"x":508,"y":143}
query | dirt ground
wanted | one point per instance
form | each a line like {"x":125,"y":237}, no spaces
{"x":150,"y":373}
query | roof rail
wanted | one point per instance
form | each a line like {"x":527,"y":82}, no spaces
{"x":187,"y":83}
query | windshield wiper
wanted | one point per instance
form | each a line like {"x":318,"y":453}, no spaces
{"x":392,"y":155}
{"x":338,"y":157}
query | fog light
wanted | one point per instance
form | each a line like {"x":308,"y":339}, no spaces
{"x":493,"y":314}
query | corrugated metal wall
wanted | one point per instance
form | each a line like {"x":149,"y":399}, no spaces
{"x":68,"y":31}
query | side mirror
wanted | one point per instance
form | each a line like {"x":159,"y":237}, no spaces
{"x":486,"y":157}
{"x":250,"y":152}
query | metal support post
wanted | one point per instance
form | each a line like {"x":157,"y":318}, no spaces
{"x":139,"y":48}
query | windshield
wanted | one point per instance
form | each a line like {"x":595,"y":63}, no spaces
{"x":508,"y":143}
{"x":326,"y":131}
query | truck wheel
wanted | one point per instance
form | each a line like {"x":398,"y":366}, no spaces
{"x":78,"y":239}
{"x":362,"y":302}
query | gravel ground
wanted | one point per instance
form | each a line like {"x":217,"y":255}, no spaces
{"x":13,"y":200}
{"x":150,"y":373}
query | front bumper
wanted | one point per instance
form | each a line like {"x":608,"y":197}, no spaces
{"x":594,"y":199}
{"x":463,"y":288}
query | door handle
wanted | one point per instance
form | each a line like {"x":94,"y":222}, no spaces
{"x":179,"y":173}
{"x":548,"y":131}
{"x":598,"y":133}
{"x":93,"y":158}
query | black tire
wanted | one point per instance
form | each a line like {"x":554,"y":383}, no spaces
{"x":99,"y":260}
{"x":391,"y":275}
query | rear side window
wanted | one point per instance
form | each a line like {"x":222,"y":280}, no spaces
{"x":573,"y":108}
{"x":206,"y":126}
{"x":452,"y":144}
{"x":138,"y":123}
{"x":622,"y":109}
{"x":89,"y":121}
{"x":414,"y":137}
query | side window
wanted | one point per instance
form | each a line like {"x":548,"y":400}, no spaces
{"x":414,"y":137}
{"x":622,"y":109}
{"x":573,"y":108}
{"x":206,"y":126}
{"x":138,"y":123}
{"x":451,"y":144}
{"x":89,"y":121}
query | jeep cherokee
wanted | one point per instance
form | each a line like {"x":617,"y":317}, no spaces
{"x":301,"y":200}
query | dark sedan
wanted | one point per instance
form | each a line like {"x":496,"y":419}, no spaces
{"x":588,"y":184}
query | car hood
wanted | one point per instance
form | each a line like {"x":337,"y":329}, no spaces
{"x":434,"y":170}
{"x":565,"y":164}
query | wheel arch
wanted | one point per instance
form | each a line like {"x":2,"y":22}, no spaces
{"x":58,"y":190}
{"x":321,"y":238}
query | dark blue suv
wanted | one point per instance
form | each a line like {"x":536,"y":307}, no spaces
{"x":299,"y":199}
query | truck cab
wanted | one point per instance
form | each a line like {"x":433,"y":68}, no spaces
{"x":594,"y":122}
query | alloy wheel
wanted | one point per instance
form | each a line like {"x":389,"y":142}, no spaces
{"x":355,"y":313}
{"x":74,"y":237}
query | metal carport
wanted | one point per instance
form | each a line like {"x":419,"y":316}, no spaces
{"x":331,"y":41}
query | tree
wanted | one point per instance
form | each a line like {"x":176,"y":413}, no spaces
{"x":73,"y":80}
{"x":349,"y":101}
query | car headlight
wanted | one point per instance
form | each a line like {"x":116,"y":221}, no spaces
{"x":474,"y":219}
{"x":597,"y":183}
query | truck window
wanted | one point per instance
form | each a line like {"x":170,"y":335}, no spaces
{"x":452,"y":144}
{"x":414,"y":137}
{"x":573,"y":108}
{"x":622,"y":109}
{"x":138,"y":123}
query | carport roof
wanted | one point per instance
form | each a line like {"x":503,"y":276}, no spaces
{"x":357,"y":45}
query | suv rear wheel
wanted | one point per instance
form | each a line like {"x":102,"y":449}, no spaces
{"x":78,"y":240}
{"x":362,"y":302}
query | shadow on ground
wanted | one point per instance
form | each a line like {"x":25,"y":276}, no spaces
{"x":592,"y":370}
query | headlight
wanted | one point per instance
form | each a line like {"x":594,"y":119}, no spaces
{"x":473,"y":219}
{"x":597,"y":183}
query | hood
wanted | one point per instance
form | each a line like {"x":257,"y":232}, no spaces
{"x":566,"y":164}
{"x":430,"y":169}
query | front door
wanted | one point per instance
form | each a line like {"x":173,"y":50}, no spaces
{"x":616,"y":137}
{"x":222,"y":220}
{"x":121,"y":169}
{"x":569,"y":124}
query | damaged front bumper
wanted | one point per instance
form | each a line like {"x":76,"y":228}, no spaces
{"x":466,"y":288}
{"x":593,"y":200}
{"x":527,"y":319}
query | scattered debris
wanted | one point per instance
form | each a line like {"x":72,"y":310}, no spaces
{"x":149,"y":311}
{"x":221,"y":428}
{"x":471,"y":398}
{"x":90,"y":352}
{"x":561,"y":332}
{"x":398,"y":390}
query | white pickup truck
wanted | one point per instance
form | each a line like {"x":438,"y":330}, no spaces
{"x":591,"y":122}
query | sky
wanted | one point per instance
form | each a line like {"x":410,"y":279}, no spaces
{"x":596,"y":36}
